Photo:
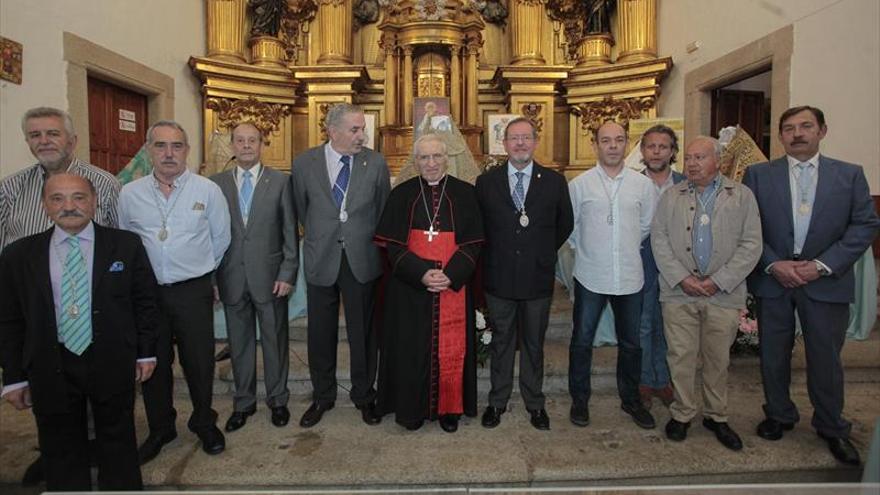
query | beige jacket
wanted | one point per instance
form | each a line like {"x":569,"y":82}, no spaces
{"x":736,"y":242}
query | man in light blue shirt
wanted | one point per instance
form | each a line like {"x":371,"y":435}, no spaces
{"x":183,"y":221}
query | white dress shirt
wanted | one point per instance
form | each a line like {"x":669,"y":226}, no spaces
{"x":527,"y":178}
{"x":607,"y":256}
{"x":334,"y":165}
{"x":198,"y":230}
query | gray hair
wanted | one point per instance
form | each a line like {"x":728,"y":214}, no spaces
{"x":338,"y":111}
{"x":716,"y":144}
{"x":424,"y":138}
{"x":40,"y":112}
{"x":166,"y":123}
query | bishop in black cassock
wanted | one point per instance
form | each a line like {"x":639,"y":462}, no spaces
{"x":432,"y":230}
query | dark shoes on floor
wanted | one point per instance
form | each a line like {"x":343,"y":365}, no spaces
{"x":770,"y":429}
{"x":314,"y":414}
{"x":724,"y":433}
{"x":842,"y":450}
{"x":539,"y":419}
{"x":369,"y":414}
{"x":449,"y":423}
{"x":640,"y":415}
{"x":676,"y":430}
{"x":153,"y":445}
{"x":223,"y":355}
{"x":34,"y":474}
{"x":280,"y":416}
{"x":213,"y":441}
{"x":238,"y":419}
{"x":579,"y":415}
{"x":492,"y":416}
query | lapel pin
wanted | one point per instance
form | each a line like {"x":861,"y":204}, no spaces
{"x":539,"y":176}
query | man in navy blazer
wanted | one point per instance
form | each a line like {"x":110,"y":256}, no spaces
{"x":817,"y":219}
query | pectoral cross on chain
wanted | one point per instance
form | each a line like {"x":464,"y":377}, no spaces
{"x":431,"y":233}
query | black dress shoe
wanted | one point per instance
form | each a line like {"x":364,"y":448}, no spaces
{"x":842,"y":450}
{"x":412,"y":426}
{"x":314,"y":413}
{"x":369,"y":414}
{"x":539,"y":419}
{"x":212,"y":439}
{"x":639,"y":414}
{"x":280,"y":416}
{"x":34,"y":473}
{"x":770,"y":429}
{"x":492,"y":416}
{"x":449,"y":423}
{"x":724,"y":433}
{"x":153,"y":444}
{"x":224,"y":354}
{"x":676,"y":430}
{"x":579,"y":415}
{"x":238,"y":419}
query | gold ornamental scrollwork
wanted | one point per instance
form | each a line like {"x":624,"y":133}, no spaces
{"x":323,"y":108}
{"x":294,"y":23}
{"x":594,"y":114}
{"x":580,"y":19}
{"x":265,"y":116}
{"x":532,"y":111}
{"x":529,"y":2}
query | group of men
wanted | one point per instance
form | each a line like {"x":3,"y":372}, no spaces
{"x":88,"y":310}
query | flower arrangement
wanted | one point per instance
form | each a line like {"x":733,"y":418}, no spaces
{"x":746,"y":342}
{"x":484,"y":337}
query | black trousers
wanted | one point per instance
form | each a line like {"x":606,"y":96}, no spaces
{"x":64,"y":439}
{"x":186,"y":317}
{"x":323,"y":335}
{"x":824,"y":330}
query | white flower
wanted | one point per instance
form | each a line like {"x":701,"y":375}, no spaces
{"x":481,"y":321}
{"x":486,"y":338}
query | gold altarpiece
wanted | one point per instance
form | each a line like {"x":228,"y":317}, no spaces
{"x":556,"y":62}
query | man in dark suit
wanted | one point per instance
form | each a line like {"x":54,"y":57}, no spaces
{"x":339,"y":189}
{"x":527,"y":216}
{"x":818,"y":219}
{"x":78,"y":325}
{"x":256,"y":275}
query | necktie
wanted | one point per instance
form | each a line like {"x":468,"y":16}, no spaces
{"x":246,"y":193}
{"x":76,"y":312}
{"x":519,"y":194}
{"x":804,"y":201}
{"x":342,"y":181}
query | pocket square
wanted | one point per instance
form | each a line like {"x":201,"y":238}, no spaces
{"x":117,"y":266}
{"x":199,"y":206}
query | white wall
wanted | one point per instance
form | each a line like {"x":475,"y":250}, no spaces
{"x":161,"y":34}
{"x":835,"y":65}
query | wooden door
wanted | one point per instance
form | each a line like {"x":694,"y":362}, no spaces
{"x":117,"y":124}
{"x":745,"y":108}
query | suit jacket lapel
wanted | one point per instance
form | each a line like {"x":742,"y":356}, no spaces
{"x":357,"y":177}
{"x":322,"y":175}
{"x":780,"y":177}
{"x":257,"y":198}
{"x":824,"y":188}
{"x":536,"y":185}
{"x":227,"y":185}
{"x":502,"y":182}
{"x":40,"y":270}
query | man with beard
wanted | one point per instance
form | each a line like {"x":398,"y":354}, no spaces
{"x":659,"y":146}
{"x":432,"y":230}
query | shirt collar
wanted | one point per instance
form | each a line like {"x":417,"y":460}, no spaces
{"x":59,"y":236}
{"x":604,"y":174}
{"x":255,"y":171}
{"x":74,"y":162}
{"x":178,"y":181}
{"x":794,"y":162}
{"x":511,"y":170}
{"x":333,"y":155}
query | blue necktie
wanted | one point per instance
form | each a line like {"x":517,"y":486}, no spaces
{"x":342,"y":181}
{"x":75,"y":327}
{"x":519,"y":193}
{"x":805,"y":197}
{"x":246,"y":193}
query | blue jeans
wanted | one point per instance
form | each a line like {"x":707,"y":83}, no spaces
{"x":588,"y":308}
{"x":655,"y":372}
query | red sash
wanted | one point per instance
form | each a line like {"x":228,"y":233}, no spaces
{"x":450,"y":316}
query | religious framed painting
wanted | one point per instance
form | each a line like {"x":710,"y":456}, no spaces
{"x":496,"y":124}
{"x":10,"y":60}
{"x":431,"y":113}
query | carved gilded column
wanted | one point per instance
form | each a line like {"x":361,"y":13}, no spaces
{"x":455,"y":84}
{"x":335,"y":30}
{"x":472,"y":84}
{"x":407,"y":85}
{"x":391,"y":77}
{"x":526,"y":18}
{"x":637,"y":36}
{"x":226,"y":29}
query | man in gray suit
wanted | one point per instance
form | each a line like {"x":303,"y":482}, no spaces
{"x":257,"y":274}
{"x":340,"y":189}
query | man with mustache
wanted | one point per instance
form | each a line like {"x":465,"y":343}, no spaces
{"x":183,"y":221}
{"x":52,"y":140}
{"x":613,"y":207}
{"x":659,"y":146}
{"x":77,"y":328}
{"x":818,"y":218}
{"x":339,"y":189}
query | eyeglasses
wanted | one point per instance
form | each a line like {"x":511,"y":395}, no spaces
{"x":526,"y":138}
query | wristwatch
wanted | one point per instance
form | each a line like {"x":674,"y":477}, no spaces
{"x":822,"y":269}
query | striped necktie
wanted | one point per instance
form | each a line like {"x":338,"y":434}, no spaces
{"x":75,"y":328}
{"x":342,"y":180}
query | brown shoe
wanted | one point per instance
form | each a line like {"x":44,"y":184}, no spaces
{"x":645,"y":394}
{"x":665,"y":395}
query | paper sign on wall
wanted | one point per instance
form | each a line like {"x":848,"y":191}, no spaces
{"x":127,"y":125}
{"x":127,"y":115}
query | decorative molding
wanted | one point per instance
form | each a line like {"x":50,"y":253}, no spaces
{"x":323,"y":108}
{"x":532,"y":111}
{"x":294,"y":23}
{"x":265,"y":116}
{"x":594,"y":114}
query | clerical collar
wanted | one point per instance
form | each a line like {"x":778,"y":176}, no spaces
{"x":435,"y":183}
